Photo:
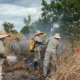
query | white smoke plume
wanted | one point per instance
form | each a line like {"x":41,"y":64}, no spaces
{"x":12,"y":58}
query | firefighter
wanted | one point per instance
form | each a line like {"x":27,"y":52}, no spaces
{"x":3,"y":35}
{"x":17,"y":37}
{"x":52,"y":45}
{"x":39,"y":42}
{"x":44,"y":37}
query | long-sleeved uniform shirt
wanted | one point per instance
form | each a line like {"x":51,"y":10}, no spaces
{"x":52,"y":45}
{"x":2,"y":52}
{"x":39,"y":42}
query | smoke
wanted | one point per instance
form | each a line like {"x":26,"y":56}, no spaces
{"x":56,"y":25}
{"x":21,"y":45}
{"x":52,"y":29}
{"x":12,"y":58}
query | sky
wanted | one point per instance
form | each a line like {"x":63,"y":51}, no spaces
{"x":14,"y":11}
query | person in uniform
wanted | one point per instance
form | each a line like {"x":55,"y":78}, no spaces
{"x":3,"y":56}
{"x":52,"y":45}
{"x":38,"y":42}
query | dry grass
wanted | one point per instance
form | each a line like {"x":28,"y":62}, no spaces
{"x":68,"y":69}
{"x":68,"y":66}
{"x":67,"y":62}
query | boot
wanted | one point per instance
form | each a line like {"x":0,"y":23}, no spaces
{"x":35,"y":65}
{"x":45,"y":71}
{"x":54,"y":68}
{"x":51,"y":69}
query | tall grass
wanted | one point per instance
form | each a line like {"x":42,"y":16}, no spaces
{"x":68,"y":65}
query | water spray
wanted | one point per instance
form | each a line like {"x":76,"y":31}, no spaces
{"x":12,"y":58}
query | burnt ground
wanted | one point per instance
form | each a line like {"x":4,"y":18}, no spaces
{"x":19,"y":75}
{"x":21,"y":70}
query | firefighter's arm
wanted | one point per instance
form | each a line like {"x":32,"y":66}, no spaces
{"x":38,"y":40}
{"x":57,"y":47}
{"x":47,"y":41}
{"x":2,"y":50}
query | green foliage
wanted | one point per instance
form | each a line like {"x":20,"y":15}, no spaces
{"x":26,"y":29}
{"x":64,"y":12}
{"x":51,"y":13}
{"x":72,"y":10}
{"x":14,"y":31}
{"x":33,"y":27}
{"x":8,"y":26}
{"x":27,"y":21}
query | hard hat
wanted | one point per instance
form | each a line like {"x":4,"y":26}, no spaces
{"x":19,"y":33}
{"x":44,"y":34}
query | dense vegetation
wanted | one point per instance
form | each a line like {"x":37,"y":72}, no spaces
{"x":9,"y":27}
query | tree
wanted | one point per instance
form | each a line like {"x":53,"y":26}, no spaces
{"x":14,"y":31}
{"x":50,"y":15}
{"x":25,"y":29}
{"x":64,"y":12}
{"x":8,"y":26}
{"x":33,"y":27}
{"x":71,"y":19}
{"x":39,"y":26}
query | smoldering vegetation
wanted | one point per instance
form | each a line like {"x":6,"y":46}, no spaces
{"x":19,"y":57}
{"x":67,"y":61}
{"x":21,"y":45}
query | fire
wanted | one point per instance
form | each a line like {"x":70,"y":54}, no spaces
{"x":78,"y":49}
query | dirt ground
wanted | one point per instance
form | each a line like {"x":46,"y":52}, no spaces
{"x":19,"y":70}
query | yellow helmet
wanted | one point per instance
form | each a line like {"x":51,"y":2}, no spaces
{"x":19,"y":33}
{"x":44,"y":34}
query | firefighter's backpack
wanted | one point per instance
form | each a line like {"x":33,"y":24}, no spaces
{"x":32,"y":45}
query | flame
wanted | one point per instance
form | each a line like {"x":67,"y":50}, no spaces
{"x":78,"y":49}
